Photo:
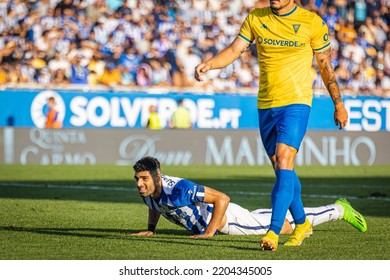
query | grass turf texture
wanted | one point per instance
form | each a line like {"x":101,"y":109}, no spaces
{"x":88,"y":212}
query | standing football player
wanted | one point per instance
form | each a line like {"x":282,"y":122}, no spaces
{"x":286,"y":37}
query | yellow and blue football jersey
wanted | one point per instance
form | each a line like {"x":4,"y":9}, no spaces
{"x":285,"y":45}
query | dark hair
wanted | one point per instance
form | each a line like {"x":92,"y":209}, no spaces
{"x":147,"y":163}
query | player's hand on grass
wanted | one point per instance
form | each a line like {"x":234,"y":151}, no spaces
{"x":143,"y":233}
{"x":202,"y":236}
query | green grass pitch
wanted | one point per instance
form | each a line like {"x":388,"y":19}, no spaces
{"x":89,"y":212}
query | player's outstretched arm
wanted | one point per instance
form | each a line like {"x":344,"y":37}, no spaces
{"x":329,"y":78}
{"x":222,"y":59}
{"x":153,"y":218}
{"x":220,"y":203}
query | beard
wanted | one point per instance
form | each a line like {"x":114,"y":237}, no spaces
{"x":278,"y":6}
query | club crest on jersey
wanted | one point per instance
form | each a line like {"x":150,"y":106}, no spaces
{"x":296,"y":27}
{"x":264,"y":26}
{"x":192,"y":193}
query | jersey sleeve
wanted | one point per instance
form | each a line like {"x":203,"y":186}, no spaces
{"x":320,"y":38}
{"x":246,"y":31}
{"x":187,"y":192}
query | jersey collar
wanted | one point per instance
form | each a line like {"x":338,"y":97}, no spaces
{"x":286,"y":14}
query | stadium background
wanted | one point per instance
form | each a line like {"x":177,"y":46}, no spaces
{"x":107,"y":61}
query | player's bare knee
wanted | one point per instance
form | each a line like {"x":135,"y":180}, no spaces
{"x":284,"y":162}
{"x":285,"y":157}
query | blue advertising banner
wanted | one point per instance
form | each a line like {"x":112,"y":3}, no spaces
{"x":77,"y":109}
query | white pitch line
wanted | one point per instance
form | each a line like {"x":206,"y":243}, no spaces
{"x":303,"y":185}
{"x":303,"y":195}
{"x":51,"y":186}
{"x":133,"y":189}
{"x":81,"y":187}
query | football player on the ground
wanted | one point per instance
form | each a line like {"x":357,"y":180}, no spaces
{"x":205,"y":211}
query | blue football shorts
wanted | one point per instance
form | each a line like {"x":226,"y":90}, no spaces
{"x":285,"y":124}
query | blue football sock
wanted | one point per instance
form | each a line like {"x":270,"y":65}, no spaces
{"x":296,"y":207}
{"x":281,"y":197}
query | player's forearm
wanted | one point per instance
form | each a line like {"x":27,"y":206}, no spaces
{"x":217,"y":216}
{"x":223,"y":59}
{"x":153,"y":218}
{"x":214,"y":223}
{"x":229,"y":54}
{"x":329,"y":77}
{"x":332,"y":86}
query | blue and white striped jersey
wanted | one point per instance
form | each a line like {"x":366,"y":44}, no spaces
{"x":181,"y":202}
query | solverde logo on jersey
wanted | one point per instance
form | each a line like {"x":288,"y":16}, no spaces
{"x":281,"y":43}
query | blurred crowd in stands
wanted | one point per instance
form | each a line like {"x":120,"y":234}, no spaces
{"x":146,"y":43}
